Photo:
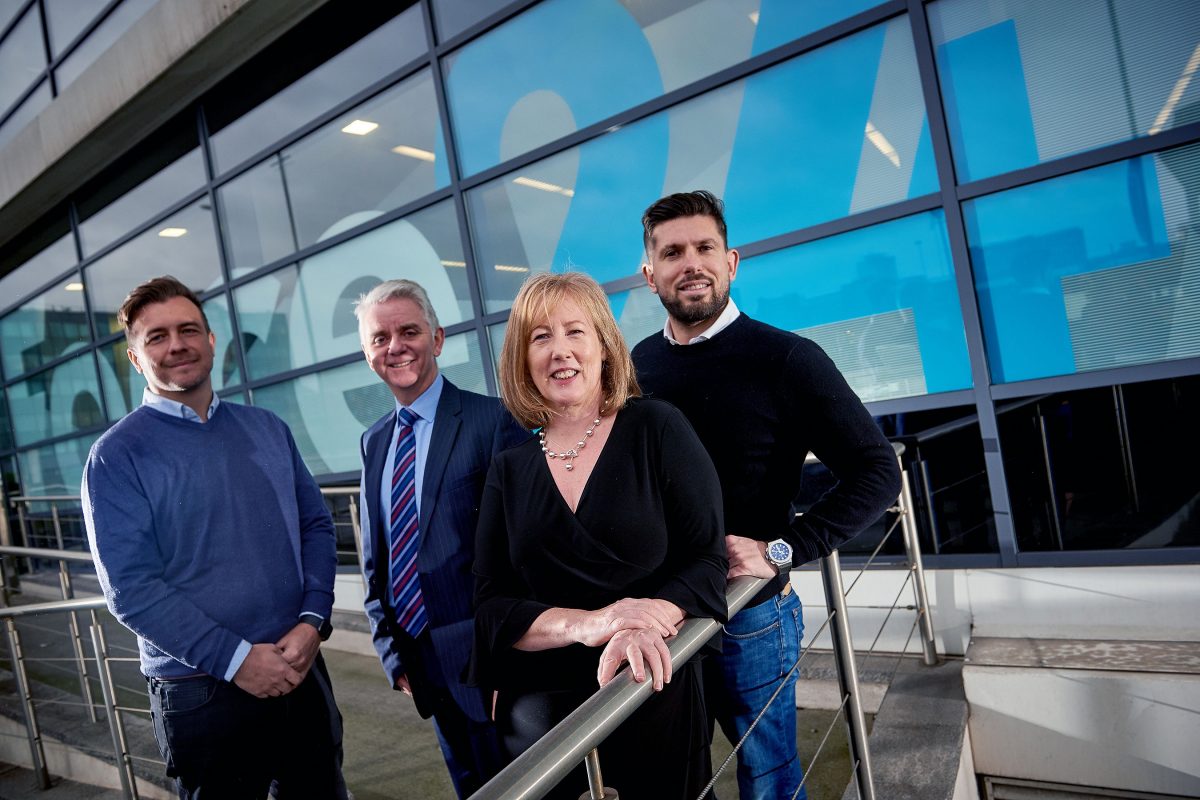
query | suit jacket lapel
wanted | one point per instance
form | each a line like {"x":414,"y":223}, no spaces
{"x":377,"y":448}
{"x":446,"y":424}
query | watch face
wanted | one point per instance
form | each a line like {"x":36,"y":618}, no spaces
{"x":779,"y":551}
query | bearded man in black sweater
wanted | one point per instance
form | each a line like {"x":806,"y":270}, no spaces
{"x":760,"y":399}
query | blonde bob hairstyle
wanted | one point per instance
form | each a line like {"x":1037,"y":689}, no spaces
{"x":538,"y":296}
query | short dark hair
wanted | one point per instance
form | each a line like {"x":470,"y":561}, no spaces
{"x":156,"y":290}
{"x":700,"y":203}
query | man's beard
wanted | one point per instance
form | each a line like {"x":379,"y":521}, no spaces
{"x":695,"y":313}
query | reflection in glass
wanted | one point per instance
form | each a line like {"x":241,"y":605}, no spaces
{"x":183,"y":245}
{"x":639,"y":314}
{"x":25,"y":113}
{"x":123,"y":385}
{"x":304,"y":314}
{"x":376,"y":157}
{"x":57,"y":402}
{"x":387,"y":48}
{"x":34,"y":270}
{"x":1025,"y":82}
{"x":45,"y":328}
{"x":22,"y":59}
{"x":66,"y":19}
{"x":452,"y":17}
{"x":100,"y":39}
{"x":821,"y":128}
{"x":56,"y":469}
{"x":1093,"y":270}
{"x":496,"y":339}
{"x":159,"y":191}
{"x":881,"y":301}
{"x":644,"y":49}
{"x":1098,"y":469}
{"x":6,"y":437}
{"x":8,"y":9}
{"x":328,"y":411}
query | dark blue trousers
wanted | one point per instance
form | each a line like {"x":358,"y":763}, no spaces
{"x":221,"y":742}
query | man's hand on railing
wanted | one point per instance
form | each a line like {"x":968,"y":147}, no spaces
{"x":594,"y":628}
{"x":641,"y":649}
{"x":748,"y":557}
{"x":265,"y":673}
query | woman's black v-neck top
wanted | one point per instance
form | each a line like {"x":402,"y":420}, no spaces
{"x":648,"y":524}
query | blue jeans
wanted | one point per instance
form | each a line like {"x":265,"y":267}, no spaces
{"x":759,"y":646}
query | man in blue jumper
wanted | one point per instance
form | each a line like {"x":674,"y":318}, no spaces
{"x":212,"y":543}
{"x":760,"y":399}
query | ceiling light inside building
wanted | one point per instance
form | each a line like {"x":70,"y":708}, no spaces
{"x":172,"y":233}
{"x":414,"y":152}
{"x":544,"y":186}
{"x":446,"y":263}
{"x":360,"y":127}
{"x":1181,"y":85}
{"x":753,"y":17}
{"x":510,"y":268}
{"x":883,"y":145}
{"x":74,"y":286}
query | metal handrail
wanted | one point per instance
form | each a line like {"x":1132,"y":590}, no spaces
{"x":551,"y":758}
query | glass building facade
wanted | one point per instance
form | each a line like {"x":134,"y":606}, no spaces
{"x":986,"y":211}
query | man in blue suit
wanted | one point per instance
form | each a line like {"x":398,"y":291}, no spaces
{"x":424,"y":465}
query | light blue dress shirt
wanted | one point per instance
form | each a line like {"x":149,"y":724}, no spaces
{"x":425,"y":407}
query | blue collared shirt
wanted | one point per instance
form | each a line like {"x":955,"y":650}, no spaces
{"x":723,"y":321}
{"x":425,"y":407}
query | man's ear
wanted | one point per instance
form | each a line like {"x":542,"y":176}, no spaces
{"x":733,"y":258}
{"x":133,"y":358}
{"x":648,"y":272}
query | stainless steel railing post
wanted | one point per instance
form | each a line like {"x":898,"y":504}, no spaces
{"x":68,"y":592}
{"x":843,"y":656}
{"x":596,"y":788}
{"x":5,"y":541}
{"x":115,"y":726}
{"x":912,"y":546}
{"x":36,"y":751}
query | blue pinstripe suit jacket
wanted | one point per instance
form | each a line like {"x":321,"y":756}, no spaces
{"x":468,"y":429}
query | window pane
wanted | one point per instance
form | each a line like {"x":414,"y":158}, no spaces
{"x":1026,"y":81}
{"x":496,"y":338}
{"x":880,"y":301}
{"x":22,"y":59}
{"x":376,"y":157}
{"x":644,"y":50}
{"x":66,"y":19}
{"x":163,"y":188}
{"x":56,"y":469}
{"x":855,"y":140}
{"x":380,"y":52}
{"x":1079,"y":479}
{"x":1092,"y":270}
{"x":26,"y":112}
{"x":57,"y":402}
{"x":105,"y":34}
{"x":33,"y":271}
{"x":183,"y":245}
{"x":6,"y":439}
{"x":328,"y":411}
{"x":123,"y":386}
{"x":304,"y":314}
{"x":638,"y":313}
{"x":452,"y":17}
{"x":8,"y":9}
{"x":51,"y":325}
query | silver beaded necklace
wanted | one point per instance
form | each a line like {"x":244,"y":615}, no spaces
{"x":568,"y":455}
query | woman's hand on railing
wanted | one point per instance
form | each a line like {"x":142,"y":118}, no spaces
{"x":640,"y":648}
{"x":594,"y":628}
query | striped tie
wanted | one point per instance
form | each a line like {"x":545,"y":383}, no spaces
{"x":406,"y":586}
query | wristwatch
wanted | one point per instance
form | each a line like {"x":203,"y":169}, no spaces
{"x":779,"y":553}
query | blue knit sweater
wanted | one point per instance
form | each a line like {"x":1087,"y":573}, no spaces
{"x":205,"y":535}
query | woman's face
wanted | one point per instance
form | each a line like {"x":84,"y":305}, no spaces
{"x":566,"y":359}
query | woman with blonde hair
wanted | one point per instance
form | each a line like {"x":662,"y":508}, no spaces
{"x":595,"y":541}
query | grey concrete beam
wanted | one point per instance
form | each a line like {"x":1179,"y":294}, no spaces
{"x":178,"y":50}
